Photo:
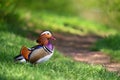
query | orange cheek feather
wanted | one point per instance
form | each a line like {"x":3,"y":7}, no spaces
{"x":42,"y":41}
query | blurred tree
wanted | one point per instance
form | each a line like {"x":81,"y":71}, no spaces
{"x":62,"y":6}
{"x":103,"y":11}
{"x":111,"y":9}
{"x":7,"y":7}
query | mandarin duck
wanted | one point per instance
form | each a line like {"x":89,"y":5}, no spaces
{"x":39,"y":53}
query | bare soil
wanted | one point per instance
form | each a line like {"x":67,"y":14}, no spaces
{"x":78,"y":47}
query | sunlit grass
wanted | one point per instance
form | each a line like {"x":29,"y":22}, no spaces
{"x":64,"y":23}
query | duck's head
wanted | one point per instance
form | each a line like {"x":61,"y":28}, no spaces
{"x":46,"y":34}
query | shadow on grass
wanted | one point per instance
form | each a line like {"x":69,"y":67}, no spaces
{"x":13,"y":24}
{"x":111,"y":42}
{"x":5,"y":78}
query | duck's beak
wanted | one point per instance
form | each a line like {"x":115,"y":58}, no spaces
{"x":53,"y":38}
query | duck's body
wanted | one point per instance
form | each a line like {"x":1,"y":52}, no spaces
{"x":38,"y":53}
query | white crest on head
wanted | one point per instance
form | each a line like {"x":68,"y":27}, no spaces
{"x":46,"y":32}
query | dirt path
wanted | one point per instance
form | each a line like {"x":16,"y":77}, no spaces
{"x":78,"y":48}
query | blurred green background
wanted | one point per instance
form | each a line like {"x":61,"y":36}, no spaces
{"x":104,"y":11}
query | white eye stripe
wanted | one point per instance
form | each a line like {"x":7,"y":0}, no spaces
{"x":46,"y":32}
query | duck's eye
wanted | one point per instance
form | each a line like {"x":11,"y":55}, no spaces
{"x":47,"y":33}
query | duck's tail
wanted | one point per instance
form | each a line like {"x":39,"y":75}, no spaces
{"x":19,"y":58}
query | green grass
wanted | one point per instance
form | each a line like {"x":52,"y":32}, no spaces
{"x":57,"y":68}
{"x":109,"y":45}
{"x":62,"y":23}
